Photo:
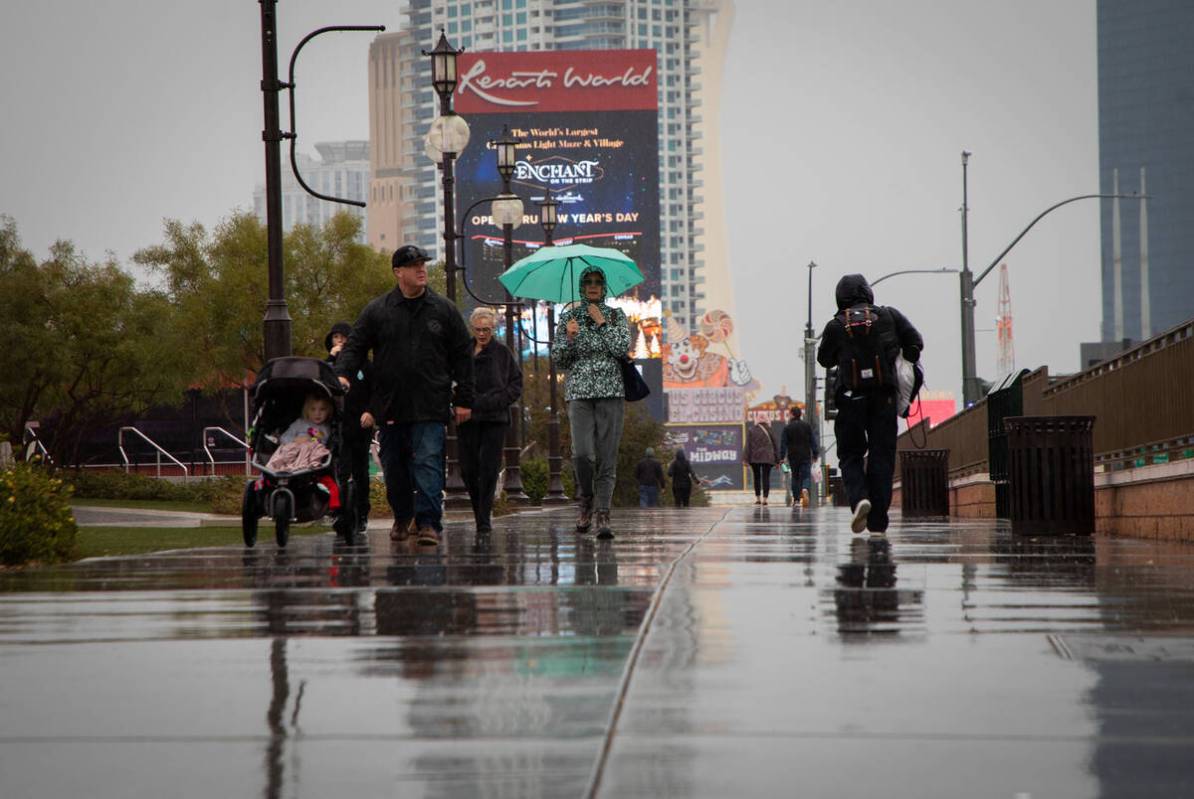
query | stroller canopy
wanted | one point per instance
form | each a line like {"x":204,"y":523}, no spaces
{"x":293,"y":373}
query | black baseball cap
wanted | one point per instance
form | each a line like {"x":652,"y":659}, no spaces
{"x":409,"y":255}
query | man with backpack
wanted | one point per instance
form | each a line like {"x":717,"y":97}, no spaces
{"x":862,"y":341}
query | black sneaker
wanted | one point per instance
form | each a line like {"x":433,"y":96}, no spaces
{"x":603,"y":528}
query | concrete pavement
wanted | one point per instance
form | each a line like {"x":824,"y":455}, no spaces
{"x":709,"y":652}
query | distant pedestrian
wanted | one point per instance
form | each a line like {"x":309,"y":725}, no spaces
{"x":761,"y":455}
{"x":590,"y":342}
{"x":862,"y":341}
{"x":800,"y":447}
{"x":423,"y":375}
{"x":649,"y":476}
{"x":683,"y":477}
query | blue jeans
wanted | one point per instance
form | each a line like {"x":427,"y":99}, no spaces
{"x":648,"y":496}
{"x":802,"y":477}
{"x":412,"y":457}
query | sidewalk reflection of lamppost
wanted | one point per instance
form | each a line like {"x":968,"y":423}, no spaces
{"x":555,"y":485}
{"x":446,"y":138}
{"x":507,"y":212}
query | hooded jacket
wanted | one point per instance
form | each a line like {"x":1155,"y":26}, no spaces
{"x":592,"y":358}
{"x":896,"y":333}
{"x":420,"y":348}
{"x":361,"y":381}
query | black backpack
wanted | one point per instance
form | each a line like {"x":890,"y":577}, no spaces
{"x":864,"y":360}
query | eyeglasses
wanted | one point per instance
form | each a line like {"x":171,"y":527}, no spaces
{"x":589,"y":281}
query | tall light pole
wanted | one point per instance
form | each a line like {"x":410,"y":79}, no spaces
{"x":555,"y":485}
{"x":810,"y":359}
{"x":446,"y":138}
{"x":277,"y":317}
{"x":970,"y":384}
{"x":507,"y":212}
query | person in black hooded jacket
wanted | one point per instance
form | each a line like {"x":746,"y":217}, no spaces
{"x":862,"y":341}
{"x":357,"y":429}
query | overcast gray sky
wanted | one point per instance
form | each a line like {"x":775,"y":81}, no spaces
{"x":843,"y":124}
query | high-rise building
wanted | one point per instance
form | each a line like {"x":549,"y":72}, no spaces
{"x":689,"y":37}
{"x":1146,"y":143}
{"x":342,"y":170}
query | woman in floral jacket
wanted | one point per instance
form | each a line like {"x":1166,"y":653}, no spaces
{"x":591,"y":339}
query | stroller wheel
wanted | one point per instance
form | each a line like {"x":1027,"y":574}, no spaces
{"x":282,"y":514}
{"x":249,"y":515}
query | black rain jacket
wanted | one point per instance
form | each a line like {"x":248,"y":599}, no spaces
{"x":896,"y":333}
{"x":420,"y":347}
{"x":498,"y":382}
{"x":798,"y":443}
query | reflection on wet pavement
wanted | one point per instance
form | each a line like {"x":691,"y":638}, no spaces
{"x":785,"y":657}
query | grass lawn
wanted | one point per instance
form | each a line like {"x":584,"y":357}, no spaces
{"x":98,"y":541}
{"x":145,"y":504}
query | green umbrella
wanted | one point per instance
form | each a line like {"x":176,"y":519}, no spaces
{"x":553,"y":273}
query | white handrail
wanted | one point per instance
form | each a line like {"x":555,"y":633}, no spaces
{"x":211,"y":458}
{"x":124,"y":456}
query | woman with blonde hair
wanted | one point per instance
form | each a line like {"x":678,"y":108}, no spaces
{"x":498,"y":382}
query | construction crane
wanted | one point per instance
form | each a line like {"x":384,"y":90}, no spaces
{"x":1003,"y":326}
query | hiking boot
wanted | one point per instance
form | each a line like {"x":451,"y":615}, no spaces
{"x":428,"y":536}
{"x":858,"y":523}
{"x":602,"y":520}
{"x":584,"y":515}
{"x":402,"y":529}
{"x":804,"y":499}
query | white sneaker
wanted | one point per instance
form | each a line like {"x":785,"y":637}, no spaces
{"x":858,"y":523}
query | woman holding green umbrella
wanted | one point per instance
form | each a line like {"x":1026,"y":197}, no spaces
{"x":591,"y":339}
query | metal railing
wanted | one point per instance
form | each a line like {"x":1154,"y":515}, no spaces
{"x":211,"y":458}
{"x":160,"y":452}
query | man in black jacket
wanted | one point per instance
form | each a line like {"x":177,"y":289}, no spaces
{"x":357,"y":427}
{"x":862,"y":341}
{"x":800,"y":446}
{"x":420,"y":348}
{"x":649,"y":476}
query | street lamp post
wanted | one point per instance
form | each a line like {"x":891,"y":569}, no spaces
{"x":555,"y":485}
{"x":277,"y":316}
{"x":446,"y":138}
{"x":507,"y":212}
{"x":970,"y":383}
{"x":810,"y":358}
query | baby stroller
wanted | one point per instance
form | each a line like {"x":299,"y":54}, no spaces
{"x":302,"y":495}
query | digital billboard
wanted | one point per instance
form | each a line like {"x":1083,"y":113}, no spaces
{"x":587,"y":125}
{"x":714,"y":450}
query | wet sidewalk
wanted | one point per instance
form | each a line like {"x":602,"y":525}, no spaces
{"x":712,"y":652}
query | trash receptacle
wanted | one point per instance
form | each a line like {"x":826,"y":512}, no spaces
{"x":1051,"y":474}
{"x":924,"y":482}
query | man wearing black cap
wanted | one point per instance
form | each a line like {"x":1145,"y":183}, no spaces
{"x":862,"y":341}
{"x":422,"y":369}
{"x":357,"y":429}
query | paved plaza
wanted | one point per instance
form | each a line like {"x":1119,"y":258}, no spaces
{"x":711,"y":652}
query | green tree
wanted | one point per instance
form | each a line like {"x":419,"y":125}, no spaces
{"x":217,"y":285}
{"x":93,"y":348}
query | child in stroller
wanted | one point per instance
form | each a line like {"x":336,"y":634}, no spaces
{"x":294,"y":440}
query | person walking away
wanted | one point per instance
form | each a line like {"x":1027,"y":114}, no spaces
{"x":357,"y":430}
{"x":649,"y":476}
{"x":862,"y":341}
{"x":760,"y":454}
{"x":423,"y":376}
{"x":682,"y":476}
{"x":591,"y":338}
{"x":498,"y":384}
{"x":800,"y":447}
